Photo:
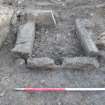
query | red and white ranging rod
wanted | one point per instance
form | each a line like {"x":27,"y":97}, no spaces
{"x":59,"y":89}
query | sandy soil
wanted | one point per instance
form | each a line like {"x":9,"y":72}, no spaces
{"x":55,"y":42}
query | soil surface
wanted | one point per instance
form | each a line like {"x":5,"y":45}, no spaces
{"x":55,"y":42}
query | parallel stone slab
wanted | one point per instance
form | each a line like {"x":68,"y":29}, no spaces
{"x":81,"y":63}
{"x":43,"y":62}
{"x":44,"y":17}
{"x":25,"y":39}
{"x":6,"y":14}
{"x":85,"y":36}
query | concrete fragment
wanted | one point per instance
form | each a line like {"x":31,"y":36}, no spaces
{"x":80,"y":63}
{"x":25,"y":40}
{"x":44,"y":17}
{"x":40,"y":62}
{"x":85,"y":36}
{"x":5,"y":18}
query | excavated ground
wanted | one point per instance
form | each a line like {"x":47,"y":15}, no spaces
{"x":55,"y":42}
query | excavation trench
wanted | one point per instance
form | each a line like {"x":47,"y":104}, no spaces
{"x":48,"y":45}
{"x":55,"y":43}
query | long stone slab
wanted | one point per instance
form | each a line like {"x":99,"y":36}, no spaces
{"x":6,"y":14}
{"x":43,"y":62}
{"x":43,"y":17}
{"x":85,"y":36}
{"x":25,"y":39}
{"x":81,"y":63}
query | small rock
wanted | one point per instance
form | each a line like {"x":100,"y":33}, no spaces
{"x":59,"y":103}
{"x":92,"y":14}
{"x":43,"y":82}
{"x":2,"y":94}
{"x":20,"y":61}
{"x":20,"y":1}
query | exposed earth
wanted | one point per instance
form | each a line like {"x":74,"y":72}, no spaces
{"x":55,"y":42}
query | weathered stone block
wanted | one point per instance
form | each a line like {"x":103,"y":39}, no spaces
{"x":25,"y":40}
{"x":85,"y":36}
{"x":81,"y":63}
{"x":44,"y":62}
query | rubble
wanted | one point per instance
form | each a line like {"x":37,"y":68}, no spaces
{"x":43,"y":62}
{"x":6,"y":14}
{"x":25,"y":40}
{"x":85,"y":36}
{"x":81,"y":63}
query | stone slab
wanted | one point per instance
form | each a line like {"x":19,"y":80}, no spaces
{"x":43,"y":62}
{"x":81,"y":63}
{"x":85,"y":36}
{"x":25,"y":39}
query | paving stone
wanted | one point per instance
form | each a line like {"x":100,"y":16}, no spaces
{"x":85,"y":36}
{"x":81,"y":63}
{"x":25,"y":40}
{"x":44,"y":62}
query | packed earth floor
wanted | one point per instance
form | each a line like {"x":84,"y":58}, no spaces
{"x":55,"y":42}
